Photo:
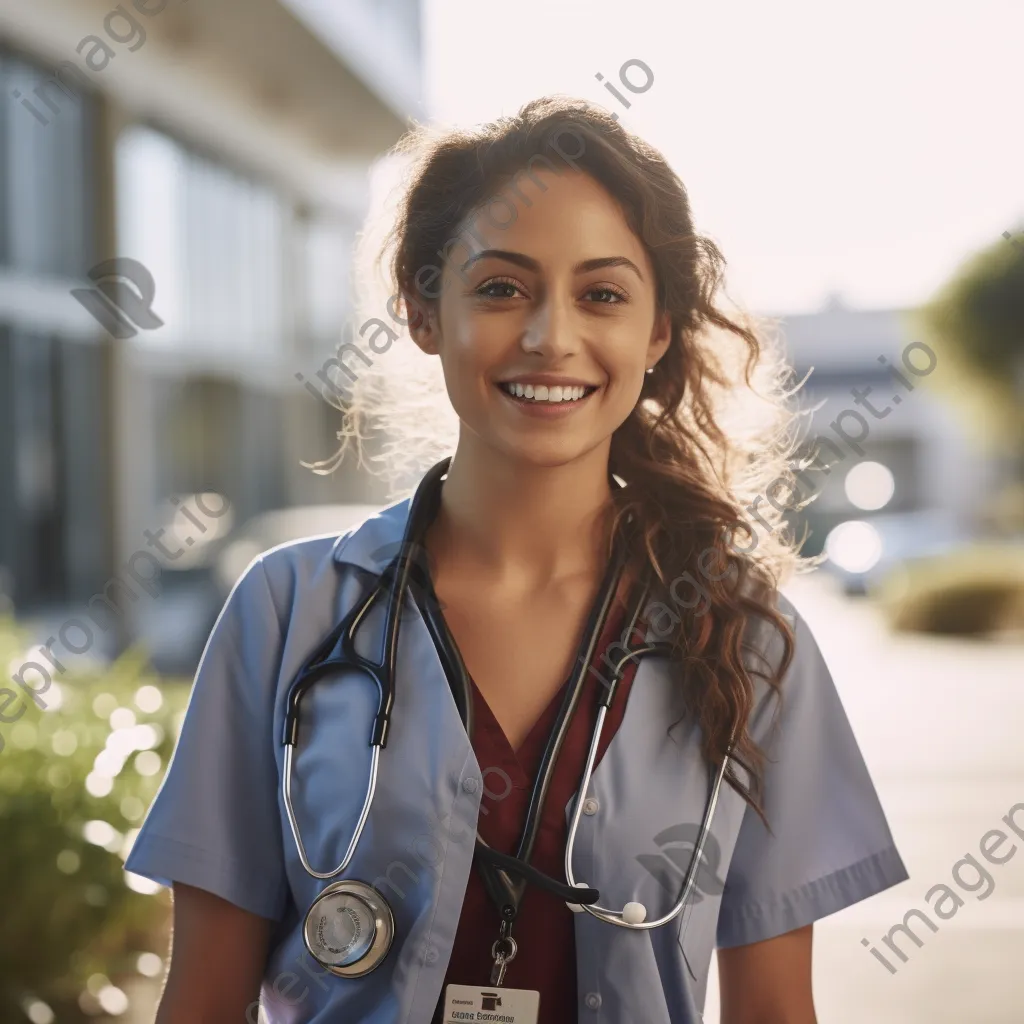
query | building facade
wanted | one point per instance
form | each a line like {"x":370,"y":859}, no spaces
{"x":889,"y":444}
{"x":225,"y":152}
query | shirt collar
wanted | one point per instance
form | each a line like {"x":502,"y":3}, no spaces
{"x":373,"y":544}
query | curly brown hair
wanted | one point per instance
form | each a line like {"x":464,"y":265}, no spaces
{"x":692,"y":455}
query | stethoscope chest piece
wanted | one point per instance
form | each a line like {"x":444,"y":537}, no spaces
{"x":349,"y":928}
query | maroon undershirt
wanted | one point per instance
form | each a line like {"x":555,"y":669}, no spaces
{"x":544,"y":926}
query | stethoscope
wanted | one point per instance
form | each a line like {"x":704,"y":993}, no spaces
{"x":350,"y":927}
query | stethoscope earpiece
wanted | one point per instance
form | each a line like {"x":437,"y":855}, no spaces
{"x":634,"y":913}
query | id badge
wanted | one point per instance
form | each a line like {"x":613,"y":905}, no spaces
{"x":498,"y":1004}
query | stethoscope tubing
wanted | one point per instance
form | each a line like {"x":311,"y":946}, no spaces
{"x":349,"y":655}
{"x":363,"y":815}
{"x":382,"y":673}
{"x":606,"y":914}
{"x":396,"y":580}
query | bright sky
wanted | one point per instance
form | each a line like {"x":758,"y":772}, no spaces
{"x":861,"y":148}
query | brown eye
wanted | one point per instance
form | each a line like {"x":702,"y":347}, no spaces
{"x":616,"y":296}
{"x":485,"y":289}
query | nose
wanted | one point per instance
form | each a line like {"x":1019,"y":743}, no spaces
{"x":552,"y":330}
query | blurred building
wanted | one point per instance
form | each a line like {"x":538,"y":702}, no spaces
{"x":225,"y":148}
{"x":898,"y":457}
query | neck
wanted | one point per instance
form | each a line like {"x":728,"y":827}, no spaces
{"x":523,"y":525}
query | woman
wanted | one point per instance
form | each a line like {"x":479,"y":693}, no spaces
{"x":550,"y":272}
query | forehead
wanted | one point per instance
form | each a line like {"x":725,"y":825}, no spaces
{"x":552,"y":216}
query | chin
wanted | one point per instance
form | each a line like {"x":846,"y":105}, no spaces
{"x":546,"y":454}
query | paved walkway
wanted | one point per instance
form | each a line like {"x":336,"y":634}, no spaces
{"x":941,"y":724}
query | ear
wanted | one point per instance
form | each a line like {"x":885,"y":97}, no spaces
{"x":661,"y":338}
{"x":422,"y":326}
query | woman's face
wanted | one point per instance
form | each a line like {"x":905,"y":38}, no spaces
{"x":563,"y":297}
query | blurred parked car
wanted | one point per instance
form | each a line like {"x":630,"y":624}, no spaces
{"x":174,"y":626}
{"x":862,"y":551}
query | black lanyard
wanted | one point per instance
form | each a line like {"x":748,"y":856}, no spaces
{"x":496,"y":868}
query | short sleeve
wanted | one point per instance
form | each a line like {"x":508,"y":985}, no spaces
{"x":214,"y":823}
{"x":830,"y":845}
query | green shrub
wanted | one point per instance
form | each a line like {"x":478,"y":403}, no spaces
{"x":972,"y":592}
{"x":70,"y":924}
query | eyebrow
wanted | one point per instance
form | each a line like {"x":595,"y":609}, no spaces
{"x":529,"y":263}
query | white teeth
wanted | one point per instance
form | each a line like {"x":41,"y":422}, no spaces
{"x":542,"y":393}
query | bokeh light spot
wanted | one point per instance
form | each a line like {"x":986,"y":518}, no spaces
{"x":149,"y":965}
{"x":122,"y":718}
{"x":96,"y":983}
{"x":37,"y":1011}
{"x":104,"y":705}
{"x":100,"y":833}
{"x":854,"y":546}
{"x":68,"y":862}
{"x":132,"y":808}
{"x":113,"y":1000}
{"x":148,"y":762}
{"x":95,"y":896}
{"x":98,"y":785}
{"x":870,"y":486}
{"x":64,"y":742}
{"x":137,"y":883}
{"x":149,"y":699}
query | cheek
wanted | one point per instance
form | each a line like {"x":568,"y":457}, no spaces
{"x":475,"y":345}
{"x":622,"y":399}
{"x":468,"y":362}
{"x":626,"y":377}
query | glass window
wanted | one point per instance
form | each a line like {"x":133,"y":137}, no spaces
{"x":324,"y":278}
{"x":46,"y":175}
{"x":54,"y":458}
{"x":213,"y":240}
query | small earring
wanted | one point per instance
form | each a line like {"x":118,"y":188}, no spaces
{"x":651,"y":370}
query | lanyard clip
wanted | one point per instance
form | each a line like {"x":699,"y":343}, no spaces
{"x":504,"y":948}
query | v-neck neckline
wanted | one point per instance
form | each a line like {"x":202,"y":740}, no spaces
{"x":528,"y":748}
{"x":513,"y":757}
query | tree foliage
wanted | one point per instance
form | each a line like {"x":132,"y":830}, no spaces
{"x":976,"y":323}
{"x":70,"y":925}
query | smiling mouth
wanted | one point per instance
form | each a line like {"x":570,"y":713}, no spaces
{"x":543,"y":395}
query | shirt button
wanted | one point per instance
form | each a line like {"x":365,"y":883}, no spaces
{"x":430,"y":955}
{"x":593,"y":1001}
{"x":470,"y":785}
{"x":591,"y":806}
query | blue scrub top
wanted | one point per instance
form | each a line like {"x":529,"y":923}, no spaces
{"x":219,"y":822}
